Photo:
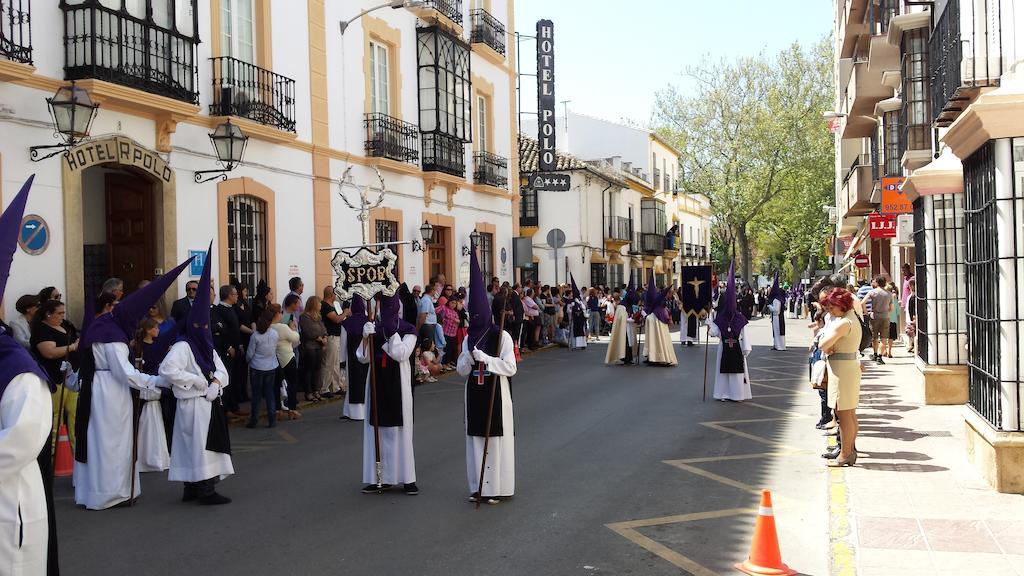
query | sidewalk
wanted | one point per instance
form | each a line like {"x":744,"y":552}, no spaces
{"x":913,"y":505}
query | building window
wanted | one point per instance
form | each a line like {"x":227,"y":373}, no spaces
{"x":941,"y":306}
{"x":891,"y":138}
{"x":528,"y":207}
{"x":247,"y":239}
{"x":237,"y":31}
{"x":481,"y":123}
{"x":486,"y":254}
{"x":379,"y":97}
{"x":615,"y":276}
{"x":915,"y":115}
{"x":444,"y":83}
{"x":598,"y":275}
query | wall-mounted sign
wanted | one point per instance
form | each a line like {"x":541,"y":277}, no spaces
{"x":881,"y":226}
{"x":34,"y":237}
{"x":862,"y":261}
{"x":120,"y":150}
{"x":550,"y":182}
{"x":195,"y":269}
{"x":504,"y":256}
{"x":293,"y":270}
{"x":365,"y":273}
{"x":894,"y":200}
{"x":546,"y":96}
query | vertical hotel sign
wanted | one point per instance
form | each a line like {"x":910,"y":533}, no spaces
{"x":546,"y":96}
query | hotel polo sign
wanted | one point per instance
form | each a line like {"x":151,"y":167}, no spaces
{"x":118,"y":150}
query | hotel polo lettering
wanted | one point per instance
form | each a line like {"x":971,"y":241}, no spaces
{"x":119,"y":150}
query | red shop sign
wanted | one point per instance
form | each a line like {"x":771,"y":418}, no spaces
{"x":882,"y":226}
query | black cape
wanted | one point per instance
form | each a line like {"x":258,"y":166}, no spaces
{"x":389,"y":388}
{"x":356,"y":372}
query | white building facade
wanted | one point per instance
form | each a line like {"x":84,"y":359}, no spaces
{"x":423,"y":95}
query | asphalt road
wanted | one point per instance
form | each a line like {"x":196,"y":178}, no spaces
{"x":597,"y":490}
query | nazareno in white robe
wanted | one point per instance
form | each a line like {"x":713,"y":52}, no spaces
{"x":731,"y":386}
{"x":658,"y":342}
{"x":621,"y":337}
{"x":26,"y":413}
{"x":152,"y":448}
{"x":190,"y":460}
{"x":396,"y":451}
{"x":106,"y":479}
{"x":500,"y":475}
{"x":776,"y":308}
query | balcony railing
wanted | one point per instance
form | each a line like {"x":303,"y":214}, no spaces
{"x":880,"y":14}
{"x":16,"y":30}
{"x":618,"y":228}
{"x":388,"y":137}
{"x":451,"y":9}
{"x":650,"y":243}
{"x":490,"y":169}
{"x":955,"y":72}
{"x":487,"y":30}
{"x":242,"y":89}
{"x":443,"y":153}
{"x":112,"y":45}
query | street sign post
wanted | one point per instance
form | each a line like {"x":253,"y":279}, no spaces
{"x":556,"y":239}
{"x":862,"y":261}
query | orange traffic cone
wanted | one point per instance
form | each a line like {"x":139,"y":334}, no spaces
{"x":765,"y":558}
{"x":63,"y":465}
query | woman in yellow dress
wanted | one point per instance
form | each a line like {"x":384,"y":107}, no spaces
{"x":841,"y":344}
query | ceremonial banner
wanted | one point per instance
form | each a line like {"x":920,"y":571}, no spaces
{"x":696,"y":289}
{"x":365,"y":273}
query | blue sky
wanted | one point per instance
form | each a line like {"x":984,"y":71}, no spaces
{"x":611,"y":56}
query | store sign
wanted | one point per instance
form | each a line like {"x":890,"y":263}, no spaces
{"x":894,"y":200}
{"x":549,"y":182}
{"x":365,"y":273}
{"x":546,"y":96}
{"x":881,"y":226}
{"x":118,"y":150}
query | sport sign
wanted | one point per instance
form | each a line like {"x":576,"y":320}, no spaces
{"x":365,"y":273}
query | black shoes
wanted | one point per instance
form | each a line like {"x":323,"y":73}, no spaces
{"x":372,"y":488}
{"x":475,"y":496}
{"x":214,"y":499}
{"x":411,"y":489}
{"x":190,"y":494}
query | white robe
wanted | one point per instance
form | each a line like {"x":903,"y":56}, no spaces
{"x":621,"y":337}
{"x":26,"y":413}
{"x":152,"y":447}
{"x":500,"y":475}
{"x":105,"y":480}
{"x":777,"y":309}
{"x":731,"y":386}
{"x":396,"y":450}
{"x":190,"y":460}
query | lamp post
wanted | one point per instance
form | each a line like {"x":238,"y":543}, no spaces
{"x":427,"y":233}
{"x":344,"y":24}
{"x":229,"y":144}
{"x":72,"y":111}
{"x":474,"y":241}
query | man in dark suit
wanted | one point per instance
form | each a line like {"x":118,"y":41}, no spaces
{"x":181,"y":308}
{"x":227,"y":341}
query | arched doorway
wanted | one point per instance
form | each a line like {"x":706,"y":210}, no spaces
{"x":119,"y":216}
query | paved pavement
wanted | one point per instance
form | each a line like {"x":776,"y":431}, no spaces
{"x":620,"y":470}
{"x":913,"y":505}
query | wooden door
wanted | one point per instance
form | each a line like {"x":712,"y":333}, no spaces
{"x":439,"y":253}
{"x":130,"y":233}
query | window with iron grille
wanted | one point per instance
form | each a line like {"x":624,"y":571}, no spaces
{"x":891,"y":133}
{"x":941,"y":293}
{"x":615,"y":276}
{"x":528,"y":207}
{"x":915,"y":115}
{"x":386,"y":232}
{"x":598,"y":275}
{"x":486,"y":254}
{"x":247,"y":239}
{"x":445,"y":89}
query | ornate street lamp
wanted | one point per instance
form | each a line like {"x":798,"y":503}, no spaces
{"x":72,"y":111}
{"x":474,"y":241}
{"x":229,"y":144}
{"x":427,"y":233}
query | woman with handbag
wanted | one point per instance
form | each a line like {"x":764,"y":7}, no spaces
{"x":841,"y":345}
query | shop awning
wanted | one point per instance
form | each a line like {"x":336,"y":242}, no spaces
{"x":856,"y":242}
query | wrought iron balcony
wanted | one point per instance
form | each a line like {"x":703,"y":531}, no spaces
{"x":388,"y":137}
{"x":650,"y":243}
{"x":443,"y":153}
{"x":618,"y":228}
{"x":955,"y":74}
{"x":490,"y":169}
{"x":16,"y":30}
{"x":451,"y":9}
{"x":112,"y":45}
{"x":248,"y":91}
{"x":487,"y":30}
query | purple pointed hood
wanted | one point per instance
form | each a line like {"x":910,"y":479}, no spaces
{"x":728,"y":319}
{"x":197,"y":324}
{"x":654,"y":300}
{"x":14,"y":360}
{"x":481,"y":320}
{"x":120,"y":324}
{"x":357,"y":318}
{"x":390,"y":321}
{"x":629,"y":298}
{"x":777,"y":293}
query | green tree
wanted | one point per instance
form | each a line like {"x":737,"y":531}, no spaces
{"x":753,"y":140}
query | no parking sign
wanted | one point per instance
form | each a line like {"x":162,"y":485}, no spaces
{"x":34,"y":236}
